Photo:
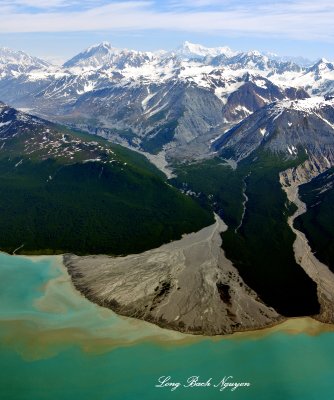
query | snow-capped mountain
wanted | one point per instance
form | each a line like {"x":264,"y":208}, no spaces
{"x":322,"y":76}
{"x":287,"y":127}
{"x":104,"y":55}
{"x":321,"y":68}
{"x":254,"y":93}
{"x":94,"y":57}
{"x":14,"y":63}
{"x":196,"y":51}
{"x":301,"y":61}
{"x":154,"y":100}
{"x":317,"y":79}
{"x":255,"y":61}
{"x":176,"y":112}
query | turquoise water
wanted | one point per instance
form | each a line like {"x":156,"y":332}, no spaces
{"x":55,"y":345}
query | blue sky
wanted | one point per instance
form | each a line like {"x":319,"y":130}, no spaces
{"x":60,"y":28}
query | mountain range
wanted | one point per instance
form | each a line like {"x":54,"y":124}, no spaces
{"x":243,"y":133}
{"x":173,"y":101}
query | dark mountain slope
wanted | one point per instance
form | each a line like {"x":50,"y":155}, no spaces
{"x":64,"y":192}
{"x":318,"y":221}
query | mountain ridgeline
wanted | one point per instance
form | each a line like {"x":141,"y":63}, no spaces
{"x":172,"y":102}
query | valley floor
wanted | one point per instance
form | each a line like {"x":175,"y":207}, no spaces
{"x":316,"y":270}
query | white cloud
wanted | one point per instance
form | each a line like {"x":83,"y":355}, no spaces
{"x":36,"y":3}
{"x":198,"y":3}
{"x":296,"y":19}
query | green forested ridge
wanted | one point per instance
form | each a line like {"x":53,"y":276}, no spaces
{"x":261,"y":248}
{"x":67,"y":191}
{"x":216,"y":185}
{"x":90,"y":208}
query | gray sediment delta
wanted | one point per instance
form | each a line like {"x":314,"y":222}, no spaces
{"x":186,"y":285}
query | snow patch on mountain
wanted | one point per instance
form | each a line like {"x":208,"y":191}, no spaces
{"x":307,"y":106}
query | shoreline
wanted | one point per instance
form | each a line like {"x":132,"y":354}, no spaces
{"x":171,"y":327}
{"x":295,"y":325}
{"x":285,"y":325}
{"x":166,"y":283}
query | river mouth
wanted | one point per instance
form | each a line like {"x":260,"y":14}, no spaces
{"x":187,"y":286}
